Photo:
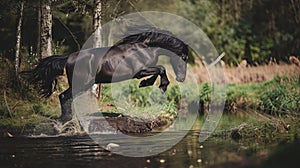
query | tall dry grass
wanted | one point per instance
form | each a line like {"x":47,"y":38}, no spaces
{"x":247,"y":74}
{"x":259,"y":73}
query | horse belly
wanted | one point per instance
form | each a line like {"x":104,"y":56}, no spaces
{"x":112,"y":77}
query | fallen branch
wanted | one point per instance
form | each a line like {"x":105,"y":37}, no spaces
{"x":70,"y":32}
{"x":217,"y":60}
{"x":214,"y":62}
{"x":15,"y":105}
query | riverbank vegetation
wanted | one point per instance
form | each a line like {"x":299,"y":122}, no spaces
{"x":255,"y":109}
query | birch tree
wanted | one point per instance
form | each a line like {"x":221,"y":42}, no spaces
{"x":18,"y":36}
{"x":46,"y":29}
{"x":97,"y":41}
{"x":97,"y":23}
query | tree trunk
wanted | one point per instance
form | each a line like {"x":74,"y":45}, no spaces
{"x":97,"y":41}
{"x":97,"y":23}
{"x":296,"y":8}
{"x":46,"y":29}
{"x":18,"y":36}
{"x":38,"y":24}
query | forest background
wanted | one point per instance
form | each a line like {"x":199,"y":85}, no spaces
{"x":254,"y":30}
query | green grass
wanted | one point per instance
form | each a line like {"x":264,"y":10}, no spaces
{"x":18,"y":110}
{"x":276,"y":97}
{"x":147,"y":102}
{"x":282,"y":96}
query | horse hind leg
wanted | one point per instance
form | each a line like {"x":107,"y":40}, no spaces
{"x":66,"y":100}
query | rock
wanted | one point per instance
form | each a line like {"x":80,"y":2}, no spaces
{"x":45,"y":128}
{"x":7,"y":134}
{"x":236,"y":132}
{"x":124,"y":124}
{"x":112,"y":146}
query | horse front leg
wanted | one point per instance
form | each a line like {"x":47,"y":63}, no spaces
{"x":66,"y":100}
{"x":149,"y":81}
{"x":155,"y":71}
{"x":164,"y":81}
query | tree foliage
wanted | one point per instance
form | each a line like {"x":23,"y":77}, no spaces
{"x":255,"y":30}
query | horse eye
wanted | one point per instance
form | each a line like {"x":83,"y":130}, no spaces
{"x":184,"y":58}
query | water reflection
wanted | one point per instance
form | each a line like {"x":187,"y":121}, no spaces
{"x":82,"y":151}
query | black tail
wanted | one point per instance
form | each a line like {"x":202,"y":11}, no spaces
{"x":45,"y":73}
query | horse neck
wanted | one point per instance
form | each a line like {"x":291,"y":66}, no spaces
{"x":166,"y":42}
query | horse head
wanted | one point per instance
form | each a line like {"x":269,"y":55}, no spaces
{"x":179,"y":63}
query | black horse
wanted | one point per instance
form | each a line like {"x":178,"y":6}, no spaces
{"x":135,"y":56}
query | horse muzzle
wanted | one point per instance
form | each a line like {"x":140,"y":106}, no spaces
{"x":180,"y":79}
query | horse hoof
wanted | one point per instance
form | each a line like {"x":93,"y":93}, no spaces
{"x":163,"y":89}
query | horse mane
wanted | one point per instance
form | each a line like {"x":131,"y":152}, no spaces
{"x":153,"y":37}
{"x":135,"y":34}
